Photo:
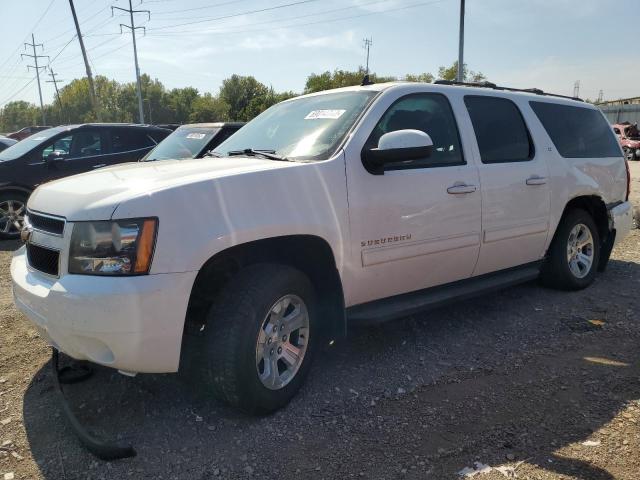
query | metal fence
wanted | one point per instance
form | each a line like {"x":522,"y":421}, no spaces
{"x":622,"y":113}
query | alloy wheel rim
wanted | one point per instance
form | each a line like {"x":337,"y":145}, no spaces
{"x":11,"y":216}
{"x":580,"y":250}
{"x":282,"y":342}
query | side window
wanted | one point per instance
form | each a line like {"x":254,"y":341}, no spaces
{"x":86,"y":143}
{"x":577,"y":132}
{"x":430,"y":113}
{"x":61,"y":147}
{"x":500,"y":130}
{"x":127,"y":140}
{"x":616,"y":131}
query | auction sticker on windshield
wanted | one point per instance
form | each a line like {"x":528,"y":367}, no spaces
{"x":197,"y":136}
{"x":320,"y":114}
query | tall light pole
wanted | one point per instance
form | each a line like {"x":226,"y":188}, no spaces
{"x":37,"y":68}
{"x":367,"y":45}
{"x":133,"y":28}
{"x":460,"y":76}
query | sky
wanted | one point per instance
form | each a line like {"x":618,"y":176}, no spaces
{"x":548,"y":44}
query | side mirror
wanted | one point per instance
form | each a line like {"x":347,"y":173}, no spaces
{"x":54,"y":157}
{"x":398,"y":146}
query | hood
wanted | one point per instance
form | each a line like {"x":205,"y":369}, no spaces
{"x":95,"y":195}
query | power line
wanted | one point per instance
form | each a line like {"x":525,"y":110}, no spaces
{"x":27,"y":36}
{"x":37,"y":68}
{"x":248,"y":12}
{"x":11,"y":97}
{"x":197,"y":8}
{"x":133,"y":29}
{"x":280,"y":27}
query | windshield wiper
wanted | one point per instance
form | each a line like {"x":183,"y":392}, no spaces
{"x":212,"y":153}
{"x":250,"y":152}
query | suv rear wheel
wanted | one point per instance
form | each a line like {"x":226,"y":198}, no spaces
{"x":13,"y":206}
{"x":573,"y":256}
{"x":260,"y":338}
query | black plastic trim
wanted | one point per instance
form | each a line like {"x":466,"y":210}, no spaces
{"x":101,"y":449}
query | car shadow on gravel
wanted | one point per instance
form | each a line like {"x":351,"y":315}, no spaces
{"x":511,"y":375}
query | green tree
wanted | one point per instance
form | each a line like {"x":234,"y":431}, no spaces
{"x":450,"y":73}
{"x":420,"y":77}
{"x":244,"y":95}
{"x":180,"y":101}
{"x":208,"y":108}
{"x":18,"y":114}
{"x":317,"y":82}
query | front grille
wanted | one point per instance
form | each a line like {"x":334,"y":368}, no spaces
{"x":43,"y":259}
{"x":46,"y":224}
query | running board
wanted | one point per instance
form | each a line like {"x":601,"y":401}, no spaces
{"x":390,"y":308}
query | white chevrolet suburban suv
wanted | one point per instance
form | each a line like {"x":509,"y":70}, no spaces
{"x":355,"y":205}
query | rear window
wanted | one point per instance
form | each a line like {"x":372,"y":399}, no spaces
{"x":500,"y":130}
{"x":577,"y":132}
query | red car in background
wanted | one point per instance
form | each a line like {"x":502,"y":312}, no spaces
{"x":629,"y":138}
{"x":26,"y":131}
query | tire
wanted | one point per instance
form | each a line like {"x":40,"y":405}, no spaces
{"x":243,"y":315}
{"x":13,"y":206}
{"x":629,"y":154}
{"x":561,"y":273}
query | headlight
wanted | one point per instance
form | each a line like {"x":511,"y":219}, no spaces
{"x":121,"y":247}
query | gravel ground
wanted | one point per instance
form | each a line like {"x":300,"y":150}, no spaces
{"x":526,"y":383}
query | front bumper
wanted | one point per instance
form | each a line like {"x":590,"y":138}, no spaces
{"x":621,"y":218}
{"x":132,"y":324}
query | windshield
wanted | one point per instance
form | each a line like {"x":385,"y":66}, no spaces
{"x":185,"y":142}
{"x":308,"y":128}
{"x":28,"y":144}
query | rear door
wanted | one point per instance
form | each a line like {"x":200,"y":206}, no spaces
{"x":128,"y":145}
{"x":515,"y":187}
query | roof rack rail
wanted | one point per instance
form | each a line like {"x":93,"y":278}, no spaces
{"x":493,"y":86}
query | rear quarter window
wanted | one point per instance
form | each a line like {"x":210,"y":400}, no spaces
{"x":577,"y":132}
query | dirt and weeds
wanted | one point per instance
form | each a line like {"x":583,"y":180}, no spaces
{"x":526,"y":383}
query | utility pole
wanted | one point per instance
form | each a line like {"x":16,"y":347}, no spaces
{"x":600,"y":97}
{"x":92,"y":91}
{"x":55,"y":81}
{"x":133,"y":28}
{"x":35,"y":57}
{"x":576,"y":89}
{"x":367,"y":45}
{"x":460,"y":75}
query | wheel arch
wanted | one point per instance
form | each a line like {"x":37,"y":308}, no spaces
{"x":309,"y":253}
{"x":595,"y":206}
{"x":15,"y":188}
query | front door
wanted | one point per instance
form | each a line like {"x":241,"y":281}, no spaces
{"x":418,"y":224}
{"x":515,"y":190}
{"x":76,"y":152}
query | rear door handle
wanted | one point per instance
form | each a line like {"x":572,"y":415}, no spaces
{"x":536,"y":181}
{"x":461,"y":189}
{"x":100,"y":165}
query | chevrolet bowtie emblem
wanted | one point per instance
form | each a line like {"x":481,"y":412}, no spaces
{"x":25,"y":233}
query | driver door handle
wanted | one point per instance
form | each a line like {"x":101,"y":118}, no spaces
{"x":100,"y":165}
{"x":535,"y":180}
{"x":461,"y":189}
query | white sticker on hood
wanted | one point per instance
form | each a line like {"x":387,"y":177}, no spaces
{"x":318,"y":114}
{"x":197,"y":136}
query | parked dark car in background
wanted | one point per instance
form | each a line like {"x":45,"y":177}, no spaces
{"x":6,"y":142}
{"x":27,"y":131}
{"x":62,"y":151}
{"x":192,"y":141}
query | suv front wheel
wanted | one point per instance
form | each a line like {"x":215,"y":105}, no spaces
{"x":573,"y":256}
{"x":260,"y":338}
